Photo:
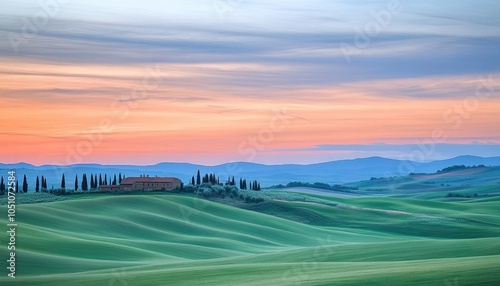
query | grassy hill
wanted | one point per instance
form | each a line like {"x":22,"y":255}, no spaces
{"x":172,"y":239}
{"x":485,"y":180}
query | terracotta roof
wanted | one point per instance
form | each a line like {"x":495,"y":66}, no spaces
{"x":132,"y":180}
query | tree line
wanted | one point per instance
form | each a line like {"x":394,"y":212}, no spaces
{"x":212,"y":179}
{"x":84,"y":184}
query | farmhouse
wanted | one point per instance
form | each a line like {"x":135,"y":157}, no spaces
{"x":144,"y":183}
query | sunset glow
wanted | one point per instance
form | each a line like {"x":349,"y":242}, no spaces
{"x":207,"y":95}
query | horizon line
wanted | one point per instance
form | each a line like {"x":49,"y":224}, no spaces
{"x":247,"y":162}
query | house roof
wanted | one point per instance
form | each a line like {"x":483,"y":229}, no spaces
{"x":133,"y":180}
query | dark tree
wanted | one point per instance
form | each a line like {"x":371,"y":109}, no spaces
{"x":91,"y":181}
{"x":251,"y":186}
{"x":114,"y":180}
{"x":241,"y":183}
{"x":105,"y":182}
{"x":17,"y":186}
{"x":100,"y":180}
{"x":255,"y":186}
{"x":120,"y":178}
{"x":76,"y":183}
{"x":218,"y":181}
{"x":198,"y":178}
{"x":233,"y":182}
{"x":182,"y":186}
{"x":63,"y":182}
{"x":25,"y":184}
{"x":37,"y":184}
{"x":85,"y":186}
{"x":2,"y":185}
{"x":43,"y":183}
{"x":192,"y":181}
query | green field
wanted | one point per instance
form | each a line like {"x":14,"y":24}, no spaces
{"x":418,"y":238}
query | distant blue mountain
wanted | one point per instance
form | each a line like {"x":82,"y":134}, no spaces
{"x":335,"y":172}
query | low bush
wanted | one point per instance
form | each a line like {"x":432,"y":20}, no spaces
{"x":33,"y":198}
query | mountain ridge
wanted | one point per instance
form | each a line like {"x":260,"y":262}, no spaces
{"x":332,"y":172}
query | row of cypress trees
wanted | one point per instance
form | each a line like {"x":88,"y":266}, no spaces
{"x":214,"y":180}
{"x":85,"y":185}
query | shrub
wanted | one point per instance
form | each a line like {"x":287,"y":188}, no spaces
{"x":33,"y":198}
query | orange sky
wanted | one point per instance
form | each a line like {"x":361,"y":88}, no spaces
{"x":53,"y":113}
{"x":142,"y":82}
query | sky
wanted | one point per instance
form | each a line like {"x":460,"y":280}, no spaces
{"x":215,"y":81}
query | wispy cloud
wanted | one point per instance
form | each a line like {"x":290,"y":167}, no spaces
{"x":223,"y":77}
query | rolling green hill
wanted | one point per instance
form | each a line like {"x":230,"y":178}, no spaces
{"x":153,"y":239}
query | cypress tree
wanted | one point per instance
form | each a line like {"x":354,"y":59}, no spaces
{"x":192,"y":181}
{"x":120,"y":178}
{"x":76,"y":183}
{"x":105,"y":182}
{"x":198,"y":178}
{"x":37,"y":184}
{"x":100,"y":180}
{"x":17,"y":186}
{"x":25,"y":184}
{"x":2,"y":185}
{"x":85,"y":186}
{"x":63,"y":182}
{"x":114,"y":180}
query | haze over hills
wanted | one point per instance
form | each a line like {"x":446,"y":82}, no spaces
{"x":334,"y":172}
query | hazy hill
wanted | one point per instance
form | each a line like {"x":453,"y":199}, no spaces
{"x":342,"y":171}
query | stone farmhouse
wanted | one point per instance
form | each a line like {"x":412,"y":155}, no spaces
{"x":144,"y":183}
